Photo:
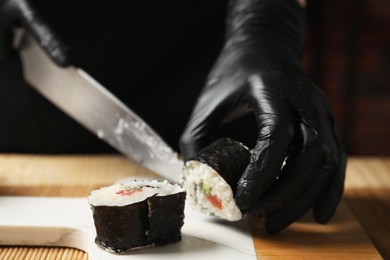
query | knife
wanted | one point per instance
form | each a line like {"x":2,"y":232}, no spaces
{"x":89,"y":103}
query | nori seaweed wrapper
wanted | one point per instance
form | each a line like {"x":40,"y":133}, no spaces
{"x":119,"y":228}
{"x":163,"y":229}
{"x":228,"y":157}
{"x":157,"y":220}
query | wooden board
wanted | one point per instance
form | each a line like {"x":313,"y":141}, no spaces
{"x":343,"y":238}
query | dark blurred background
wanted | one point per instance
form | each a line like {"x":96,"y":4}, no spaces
{"x":348,"y":56}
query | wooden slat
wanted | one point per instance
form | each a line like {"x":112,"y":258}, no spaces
{"x":35,"y":170}
{"x":48,"y":191}
{"x":15,"y":253}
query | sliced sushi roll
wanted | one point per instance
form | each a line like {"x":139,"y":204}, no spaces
{"x":137,"y":214}
{"x":210,"y":178}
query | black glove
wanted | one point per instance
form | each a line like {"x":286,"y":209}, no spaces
{"x":259,"y":67}
{"x":15,"y":13}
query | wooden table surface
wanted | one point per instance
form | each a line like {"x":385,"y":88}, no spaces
{"x":359,"y":230}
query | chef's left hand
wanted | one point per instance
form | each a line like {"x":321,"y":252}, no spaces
{"x":259,"y":69}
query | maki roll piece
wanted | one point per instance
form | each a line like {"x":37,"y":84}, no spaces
{"x":137,"y":214}
{"x":165,"y":218}
{"x":210,"y":178}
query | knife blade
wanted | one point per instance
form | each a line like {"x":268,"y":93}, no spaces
{"x":89,"y":103}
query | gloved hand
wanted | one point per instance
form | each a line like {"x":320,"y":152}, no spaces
{"x":259,"y":67}
{"x":15,"y":13}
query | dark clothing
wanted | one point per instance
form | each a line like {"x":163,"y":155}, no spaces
{"x":154,"y":56}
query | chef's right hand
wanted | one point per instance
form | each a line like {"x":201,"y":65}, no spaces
{"x":22,"y":13}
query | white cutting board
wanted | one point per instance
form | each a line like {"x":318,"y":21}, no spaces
{"x":68,"y":222}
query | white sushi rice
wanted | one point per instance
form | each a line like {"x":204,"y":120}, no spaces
{"x":195,"y":177}
{"x":109,"y":196}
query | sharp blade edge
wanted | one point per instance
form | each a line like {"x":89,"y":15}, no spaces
{"x":93,"y":106}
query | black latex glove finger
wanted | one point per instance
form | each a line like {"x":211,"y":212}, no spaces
{"x":299,"y":172}
{"x":284,"y":217}
{"x":327,"y":202}
{"x":275,"y":127}
{"x":23,"y":13}
{"x":207,"y":115}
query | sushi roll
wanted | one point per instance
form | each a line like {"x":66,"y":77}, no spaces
{"x":137,"y":214}
{"x":210,"y":178}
